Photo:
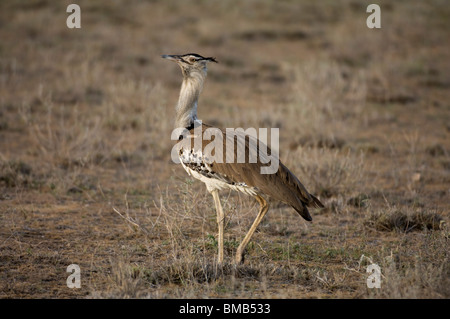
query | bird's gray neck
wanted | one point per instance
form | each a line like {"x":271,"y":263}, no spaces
{"x":186,"y":110}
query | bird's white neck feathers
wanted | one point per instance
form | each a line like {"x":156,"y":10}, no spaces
{"x":186,"y":110}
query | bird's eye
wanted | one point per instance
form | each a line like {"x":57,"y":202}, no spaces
{"x":192,"y":60}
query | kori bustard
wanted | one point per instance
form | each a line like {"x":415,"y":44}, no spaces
{"x":245,"y":177}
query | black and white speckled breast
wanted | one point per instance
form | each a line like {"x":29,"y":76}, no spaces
{"x":202,"y":168}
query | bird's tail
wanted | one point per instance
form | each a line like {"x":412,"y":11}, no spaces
{"x":303,"y":211}
{"x":316,"y":202}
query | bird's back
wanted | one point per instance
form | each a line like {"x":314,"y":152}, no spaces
{"x":283,"y":185}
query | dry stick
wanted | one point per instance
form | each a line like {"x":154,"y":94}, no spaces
{"x":128,"y":219}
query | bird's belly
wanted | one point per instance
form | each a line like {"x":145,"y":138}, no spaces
{"x":216,"y":184}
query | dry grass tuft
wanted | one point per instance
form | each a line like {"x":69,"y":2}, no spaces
{"x":419,"y":280}
{"x":15,"y":174}
{"x":404,"y":221}
{"x":326,"y":96}
{"x":405,"y":274}
{"x":65,"y":138}
{"x":330,"y":172}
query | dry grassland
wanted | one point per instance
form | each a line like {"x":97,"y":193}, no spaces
{"x":85,"y":169}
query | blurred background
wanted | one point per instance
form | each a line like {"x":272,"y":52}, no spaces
{"x":85,"y":122}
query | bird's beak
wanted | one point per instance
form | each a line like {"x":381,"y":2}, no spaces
{"x":175,"y":58}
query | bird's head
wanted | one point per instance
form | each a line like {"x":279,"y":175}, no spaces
{"x":191,"y":63}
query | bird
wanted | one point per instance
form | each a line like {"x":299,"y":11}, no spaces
{"x":244,"y":177}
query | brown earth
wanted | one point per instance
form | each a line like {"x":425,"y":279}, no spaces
{"x":85,"y":170}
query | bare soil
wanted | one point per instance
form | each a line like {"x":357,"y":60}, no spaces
{"x":85,"y":170}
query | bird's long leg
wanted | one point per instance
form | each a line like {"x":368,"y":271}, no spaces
{"x":220,"y":222}
{"x":263,"y":208}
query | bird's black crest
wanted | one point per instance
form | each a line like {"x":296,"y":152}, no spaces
{"x":211,"y":59}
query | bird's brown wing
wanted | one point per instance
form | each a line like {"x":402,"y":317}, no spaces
{"x":282,"y":185}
